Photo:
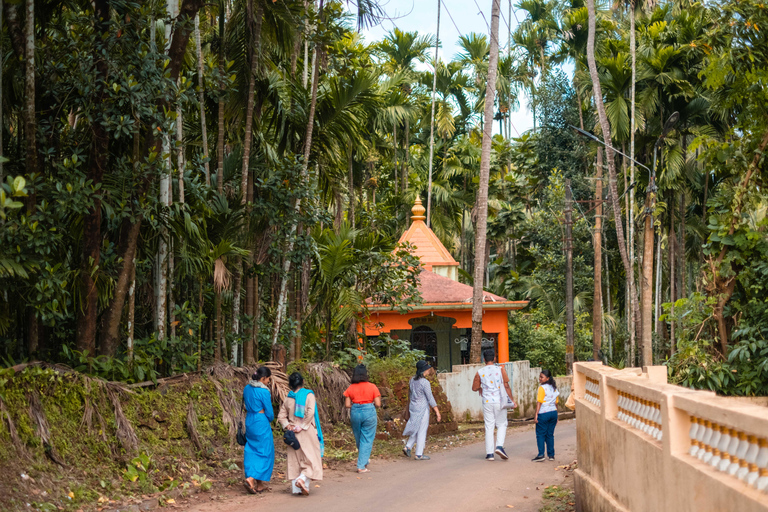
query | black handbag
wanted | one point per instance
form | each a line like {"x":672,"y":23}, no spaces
{"x":289,"y":438}
{"x":240,"y":436}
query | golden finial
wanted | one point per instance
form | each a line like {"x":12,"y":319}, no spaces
{"x":418,"y":210}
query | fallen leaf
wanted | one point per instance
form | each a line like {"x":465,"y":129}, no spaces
{"x":71,"y":494}
{"x":510,"y":506}
{"x":359,"y":478}
{"x":170,"y":500}
{"x":317,"y":485}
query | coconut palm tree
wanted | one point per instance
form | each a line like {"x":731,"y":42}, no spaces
{"x":482,"y":192}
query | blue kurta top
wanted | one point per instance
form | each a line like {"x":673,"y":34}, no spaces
{"x":259,"y":450}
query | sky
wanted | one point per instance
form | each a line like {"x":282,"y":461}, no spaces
{"x":457,"y":17}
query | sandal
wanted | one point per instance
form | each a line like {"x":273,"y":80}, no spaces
{"x":249,"y":487}
{"x":364,"y":470}
{"x":304,"y":490}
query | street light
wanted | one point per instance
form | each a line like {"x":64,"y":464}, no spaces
{"x":594,"y":138}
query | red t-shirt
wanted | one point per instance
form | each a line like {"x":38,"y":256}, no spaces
{"x":362,"y":393}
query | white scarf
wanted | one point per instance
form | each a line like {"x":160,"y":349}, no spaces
{"x":257,"y":384}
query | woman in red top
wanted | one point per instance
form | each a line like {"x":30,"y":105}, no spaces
{"x":362,"y":398}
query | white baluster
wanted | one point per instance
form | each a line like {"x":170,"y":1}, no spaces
{"x":762,"y":455}
{"x":762,"y":482}
{"x":622,"y":415}
{"x":715,"y":460}
{"x":751,"y":458}
{"x":741,"y":452}
{"x":644,"y":415}
{"x":705,"y":440}
{"x":636,"y":411}
{"x":753,"y":474}
{"x":725,"y":442}
{"x":732,"y":449}
{"x":693,"y":433}
{"x":743,"y":471}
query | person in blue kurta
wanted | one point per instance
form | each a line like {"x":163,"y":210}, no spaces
{"x":259,"y":450}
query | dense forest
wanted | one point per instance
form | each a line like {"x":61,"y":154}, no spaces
{"x":187,"y":182}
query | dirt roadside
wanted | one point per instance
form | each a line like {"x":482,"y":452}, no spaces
{"x":458,"y":479}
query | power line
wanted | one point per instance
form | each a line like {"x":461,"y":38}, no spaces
{"x":480,"y":11}
{"x":451,"y":16}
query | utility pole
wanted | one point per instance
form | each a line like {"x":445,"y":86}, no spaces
{"x":568,"y":279}
{"x":597,"y":303}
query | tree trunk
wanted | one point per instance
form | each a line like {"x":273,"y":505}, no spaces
{"x":568,"y":246}
{"x":131,"y":315}
{"x":219,"y":330}
{"x":180,"y":153}
{"x":351,"y":189}
{"x":394,"y":150}
{"x":110,"y":328}
{"x":597,"y":302}
{"x":201,"y":99}
{"x":220,"y":146}
{"x":256,"y":317}
{"x":657,"y":305}
{"x":647,"y":279}
{"x":606,"y":129}
{"x":608,"y":303}
{"x":432,"y":122}
{"x":682,"y":289}
{"x":482,"y":191}
{"x":297,"y":207}
{"x":97,"y":162}
{"x":631,"y":206}
{"x":672,"y":254}
{"x":171,"y":298}
{"x":2,"y":52}
{"x":254,"y":27}
{"x":407,"y":160}
{"x":220,"y":129}
{"x":30,"y":134}
{"x":238,"y":280}
{"x":200,"y":304}
{"x":161,"y":272}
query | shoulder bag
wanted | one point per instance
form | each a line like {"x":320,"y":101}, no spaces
{"x":240,"y":436}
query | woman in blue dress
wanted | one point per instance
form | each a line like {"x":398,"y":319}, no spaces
{"x":259,"y":450}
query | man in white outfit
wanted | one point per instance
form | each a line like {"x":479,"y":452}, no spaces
{"x":492,"y":382}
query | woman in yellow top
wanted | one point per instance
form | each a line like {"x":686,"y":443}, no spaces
{"x":546,"y":415}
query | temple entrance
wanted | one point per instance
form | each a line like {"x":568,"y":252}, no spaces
{"x":432,"y":334}
{"x":425,"y":339}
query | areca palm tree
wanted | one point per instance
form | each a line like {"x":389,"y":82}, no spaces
{"x":402,"y":51}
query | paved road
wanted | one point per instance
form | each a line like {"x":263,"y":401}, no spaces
{"x":455,"y":480}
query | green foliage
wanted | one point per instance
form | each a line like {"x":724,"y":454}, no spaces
{"x":534,"y":337}
{"x":695,"y":364}
{"x":138,"y":468}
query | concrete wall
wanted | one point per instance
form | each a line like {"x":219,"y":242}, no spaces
{"x":524,"y":382}
{"x":623,"y":468}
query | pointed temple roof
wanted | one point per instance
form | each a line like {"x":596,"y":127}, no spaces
{"x":429,"y":248}
{"x":439,"y":292}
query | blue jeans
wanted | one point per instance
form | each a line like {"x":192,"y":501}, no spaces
{"x":363,"y":418}
{"x":545,"y":433}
